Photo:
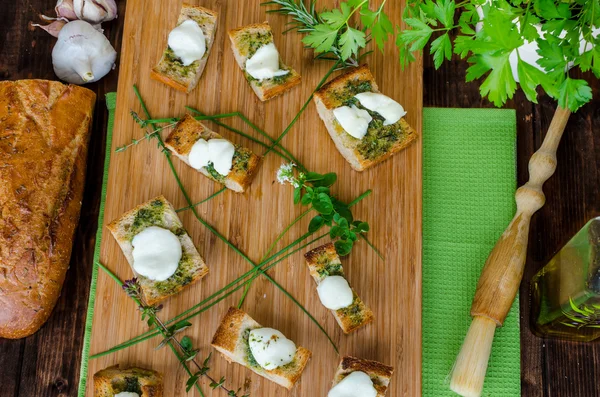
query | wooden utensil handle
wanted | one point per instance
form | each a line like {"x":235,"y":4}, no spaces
{"x":503,"y":270}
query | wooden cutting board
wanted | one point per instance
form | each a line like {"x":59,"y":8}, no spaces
{"x":251,"y":221}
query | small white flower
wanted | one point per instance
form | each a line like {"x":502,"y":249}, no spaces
{"x":285,"y":173}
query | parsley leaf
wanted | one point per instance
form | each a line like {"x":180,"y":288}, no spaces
{"x":441,"y":48}
{"x":574,"y":93}
{"x":321,"y":38}
{"x":351,"y":40}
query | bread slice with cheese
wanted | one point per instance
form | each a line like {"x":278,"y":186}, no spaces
{"x":324,"y":261}
{"x":379,"y":373}
{"x":170,"y":70}
{"x":231,"y":340}
{"x":245,"y":163}
{"x":245,"y":41}
{"x":114,"y":380}
{"x":159,"y":212}
{"x":381,"y":141}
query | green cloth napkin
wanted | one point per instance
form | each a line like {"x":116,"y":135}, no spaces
{"x":111,"y":102}
{"x":468,"y":200}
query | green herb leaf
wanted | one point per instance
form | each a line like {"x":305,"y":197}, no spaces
{"x":351,"y":40}
{"x":441,"y":48}
{"x":574,"y":93}
{"x":322,"y":203}
{"x":191,"y":382}
{"x":343,"y":247}
{"x":316,"y":223}
{"x":321,"y":38}
{"x":297,"y":195}
{"x":186,"y":343}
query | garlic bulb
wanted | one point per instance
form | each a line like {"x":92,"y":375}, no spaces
{"x":82,"y":54}
{"x":95,"y":11}
{"x":64,"y":9}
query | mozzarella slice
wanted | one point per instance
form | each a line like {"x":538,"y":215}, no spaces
{"x":270,"y":348}
{"x":187,"y":42}
{"x":218,"y":152}
{"x":156,"y":253}
{"x":127,"y":394}
{"x":335,"y":293}
{"x":353,"y":120}
{"x":356,"y":384}
{"x":221,"y":153}
{"x":199,"y":155}
{"x":264,"y":64}
{"x":389,"y":109}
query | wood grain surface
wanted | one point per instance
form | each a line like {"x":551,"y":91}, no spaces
{"x":47,"y":363}
{"x":252,"y":221}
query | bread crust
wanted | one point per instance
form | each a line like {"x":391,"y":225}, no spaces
{"x":182,"y":83}
{"x":188,"y":131}
{"x":265,"y":90}
{"x":317,"y":260}
{"x":327,"y":98}
{"x":44,"y":137}
{"x":229,"y":341}
{"x":106,"y":380}
{"x":380,"y":373}
{"x":121,"y":229}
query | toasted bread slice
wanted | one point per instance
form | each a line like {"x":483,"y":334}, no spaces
{"x":159,"y":212}
{"x":245,"y":41}
{"x":231,"y":340}
{"x":169,"y":69}
{"x":245,"y":163}
{"x":380,"y":142}
{"x":380,"y":373}
{"x":113,"y":380}
{"x":324,"y":261}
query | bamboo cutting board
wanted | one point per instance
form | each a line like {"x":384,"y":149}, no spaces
{"x":392,"y":288}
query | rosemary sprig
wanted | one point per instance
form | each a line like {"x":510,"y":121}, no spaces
{"x":186,"y":352}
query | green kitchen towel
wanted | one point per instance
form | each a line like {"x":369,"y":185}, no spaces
{"x":111,"y":102}
{"x":468,"y":200}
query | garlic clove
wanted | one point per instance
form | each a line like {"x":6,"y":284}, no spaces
{"x":52,"y":28}
{"x":95,"y":11}
{"x":64,"y":9}
{"x":82,"y":54}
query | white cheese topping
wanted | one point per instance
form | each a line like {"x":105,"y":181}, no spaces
{"x":353,"y":120}
{"x":264,"y":64}
{"x":156,"y":253}
{"x":188,"y":42}
{"x":389,"y":109}
{"x":356,"y":384}
{"x":335,"y":293}
{"x":219,"y":152}
{"x":127,"y":394}
{"x":270,"y":348}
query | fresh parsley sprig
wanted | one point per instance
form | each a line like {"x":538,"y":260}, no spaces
{"x":494,"y":36}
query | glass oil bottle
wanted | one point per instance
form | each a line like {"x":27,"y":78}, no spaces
{"x":566,"y":292}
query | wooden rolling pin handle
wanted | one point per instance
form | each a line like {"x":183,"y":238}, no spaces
{"x":503,"y":270}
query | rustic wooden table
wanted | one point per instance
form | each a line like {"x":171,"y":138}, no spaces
{"x":47,"y":363}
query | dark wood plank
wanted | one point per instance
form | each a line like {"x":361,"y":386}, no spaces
{"x":48,"y":362}
{"x":548,"y":367}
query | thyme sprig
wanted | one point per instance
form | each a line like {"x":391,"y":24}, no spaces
{"x":314,"y":189}
{"x":186,"y":353}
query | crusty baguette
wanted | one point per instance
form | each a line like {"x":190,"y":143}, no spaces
{"x":169,"y":69}
{"x":380,"y":373}
{"x":44,"y":136}
{"x":371,"y":150}
{"x":231,"y":340}
{"x":245,"y":41}
{"x":113,"y":380}
{"x":324,"y":261}
{"x":189,"y":130}
{"x":159,"y":212}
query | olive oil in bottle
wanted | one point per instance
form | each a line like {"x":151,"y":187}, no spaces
{"x":566,"y":292}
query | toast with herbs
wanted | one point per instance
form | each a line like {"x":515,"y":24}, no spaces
{"x":245,"y":41}
{"x":379,"y":373}
{"x":231,"y":340}
{"x":170,"y":70}
{"x":381,"y":141}
{"x":113,"y":380}
{"x":245,"y":163}
{"x":324,"y":261}
{"x":159,"y":212}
